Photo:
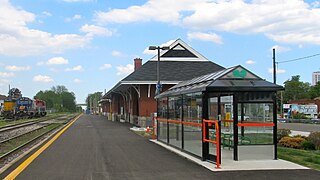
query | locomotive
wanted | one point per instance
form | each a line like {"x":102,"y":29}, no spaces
{"x":16,"y":106}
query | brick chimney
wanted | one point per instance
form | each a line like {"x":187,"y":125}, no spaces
{"x":137,"y":63}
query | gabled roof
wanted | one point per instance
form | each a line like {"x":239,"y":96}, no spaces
{"x":236,"y":78}
{"x":179,"y":63}
{"x":179,"y":51}
{"x":171,"y":71}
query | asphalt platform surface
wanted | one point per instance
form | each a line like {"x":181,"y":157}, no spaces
{"x":95,"y":148}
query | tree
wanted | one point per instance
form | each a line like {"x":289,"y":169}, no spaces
{"x":315,"y":91}
{"x":97,"y":96}
{"x":93,"y":99}
{"x":58,"y":99}
{"x":59,"y":89}
{"x":68,"y":101}
{"x":295,"y":89}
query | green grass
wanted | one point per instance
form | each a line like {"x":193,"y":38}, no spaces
{"x":308,"y":158}
{"x":144,"y":134}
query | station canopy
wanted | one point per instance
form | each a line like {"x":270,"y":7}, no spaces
{"x":233,"y":79}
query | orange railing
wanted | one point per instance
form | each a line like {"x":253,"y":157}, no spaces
{"x":216,"y":142}
{"x":210,"y":122}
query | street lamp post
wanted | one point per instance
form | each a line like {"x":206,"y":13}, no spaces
{"x":158,"y":86}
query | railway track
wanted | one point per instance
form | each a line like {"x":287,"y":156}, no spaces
{"x":27,"y":123}
{"x":14,"y":146}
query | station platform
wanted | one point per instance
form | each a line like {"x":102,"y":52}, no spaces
{"x":96,"y":148}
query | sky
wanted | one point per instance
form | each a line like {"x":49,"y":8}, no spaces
{"x":89,"y":45}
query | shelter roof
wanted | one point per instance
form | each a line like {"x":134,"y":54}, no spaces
{"x":236,"y":78}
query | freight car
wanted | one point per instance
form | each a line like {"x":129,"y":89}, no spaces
{"x":16,"y":106}
{"x":9,"y":108}
{"x":23,"y":107}
{"x":40,"y":108}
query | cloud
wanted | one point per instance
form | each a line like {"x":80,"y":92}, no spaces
{"x":45,"y":13}
{"x":17,"y":39}
{"x":154,"y":52}
{"x":117,"y":54}
{"x":18,"y":68}
{"x":6,"y":74}
{"x":93,"y":30}
{"x":153,"y":10}
{"x":279,"y":49}
{"x":278,"y":71}
{"x":79,"y":0}
{"x":40,"y":63}
{"x":57,"y":61}
{"x":205,"y":37}
{"x":76,"y":68}
{"x":54,"y":70}
{"x":77,"y":81}
{"x":75,"y":17}
{"x":125,"y":70}
{"x":42,"y":78}
{"x":250,"y":61}
{"x":315,"y":4}
{"x":105,"y":66}
{"x":287,"y":21}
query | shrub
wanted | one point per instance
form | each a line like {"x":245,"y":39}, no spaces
{"x":282,"y":133}
{"x":291,"y":142}
{"x":314,"y":137}
{"x":307,"y":145}
{"x":299,"y":116}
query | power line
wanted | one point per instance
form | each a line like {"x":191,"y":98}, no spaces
{"x":297,"y":59}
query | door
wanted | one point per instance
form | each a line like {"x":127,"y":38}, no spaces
{"x":213,"y":114}
{"x":220,"y":107}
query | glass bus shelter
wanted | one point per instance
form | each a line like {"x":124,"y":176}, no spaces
{"x":243,"y":104}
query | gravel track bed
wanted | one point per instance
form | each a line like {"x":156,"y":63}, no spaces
{"x":19,"y":131}
{"x":14,"y":156}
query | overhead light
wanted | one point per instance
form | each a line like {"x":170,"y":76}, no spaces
{"x":152,"y":47}
{"x":165,"y":47}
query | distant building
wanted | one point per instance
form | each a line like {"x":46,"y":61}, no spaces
{"x":315,"y":78}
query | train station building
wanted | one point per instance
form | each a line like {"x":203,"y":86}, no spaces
{"x":133,"y":98}
{"x":206,"y":110}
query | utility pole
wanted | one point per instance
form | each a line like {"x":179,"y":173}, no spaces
{"x":274,"y":67}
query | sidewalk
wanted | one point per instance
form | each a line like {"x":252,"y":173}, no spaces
{"x":230,"y":165}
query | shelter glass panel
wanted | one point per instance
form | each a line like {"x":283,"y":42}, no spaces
{"x":162,"y":131}
{"x":162,"y":115}
{"x":162,"y":108}
{"x":226,"y":104}
{"x":175,"y":115}
{"x":260,"y":115}
{"x":192,"y":114}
